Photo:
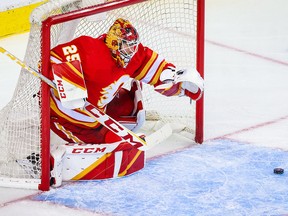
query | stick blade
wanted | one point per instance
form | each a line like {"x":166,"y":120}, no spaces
{"x":157,"y":137}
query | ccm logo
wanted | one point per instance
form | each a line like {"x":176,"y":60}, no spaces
{"x":61,"y":89}
{"x":88,"y":150}
{"x":113,"y":125}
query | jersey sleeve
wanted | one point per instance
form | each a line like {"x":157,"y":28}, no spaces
{"x":152,"y":65}
{"x":64,"y":55}
{"x":59,"y":54}
{"x":70,"y":51}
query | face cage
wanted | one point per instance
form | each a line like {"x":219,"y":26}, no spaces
{"x":127,"y":50}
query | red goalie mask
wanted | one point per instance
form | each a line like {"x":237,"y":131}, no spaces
{"x":123,"y":40}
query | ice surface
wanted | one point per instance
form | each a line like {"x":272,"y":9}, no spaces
{"x":219,"y":178}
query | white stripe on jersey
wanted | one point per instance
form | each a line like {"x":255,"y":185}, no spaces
{"x":57,"y":61}
{"x":147,"y":78}
{"x":71,"y":113}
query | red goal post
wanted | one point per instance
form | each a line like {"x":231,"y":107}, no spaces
{"x":173,"y":28}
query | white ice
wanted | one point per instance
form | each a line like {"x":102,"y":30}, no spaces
{"x":246,"y":84}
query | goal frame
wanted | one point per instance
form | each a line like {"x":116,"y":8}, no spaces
{"x":45,"y":56}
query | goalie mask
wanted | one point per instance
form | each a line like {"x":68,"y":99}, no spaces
{"x":123,"y":40}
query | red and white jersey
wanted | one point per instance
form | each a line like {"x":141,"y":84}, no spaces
{"x":102,"y":75}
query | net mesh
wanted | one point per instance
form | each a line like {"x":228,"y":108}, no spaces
{"x":166,"y":26}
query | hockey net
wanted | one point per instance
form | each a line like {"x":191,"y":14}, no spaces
{"x":173,"y":28}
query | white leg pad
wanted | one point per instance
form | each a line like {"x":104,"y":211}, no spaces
{"x":74,"y":161}
{"x":57,"y":155}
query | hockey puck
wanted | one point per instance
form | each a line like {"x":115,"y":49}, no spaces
{"x":278,"y":170}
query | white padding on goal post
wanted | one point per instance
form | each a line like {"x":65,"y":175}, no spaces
{"x":20,"y":183}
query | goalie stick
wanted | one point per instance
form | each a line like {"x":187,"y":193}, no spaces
{"x":104,"y":119}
